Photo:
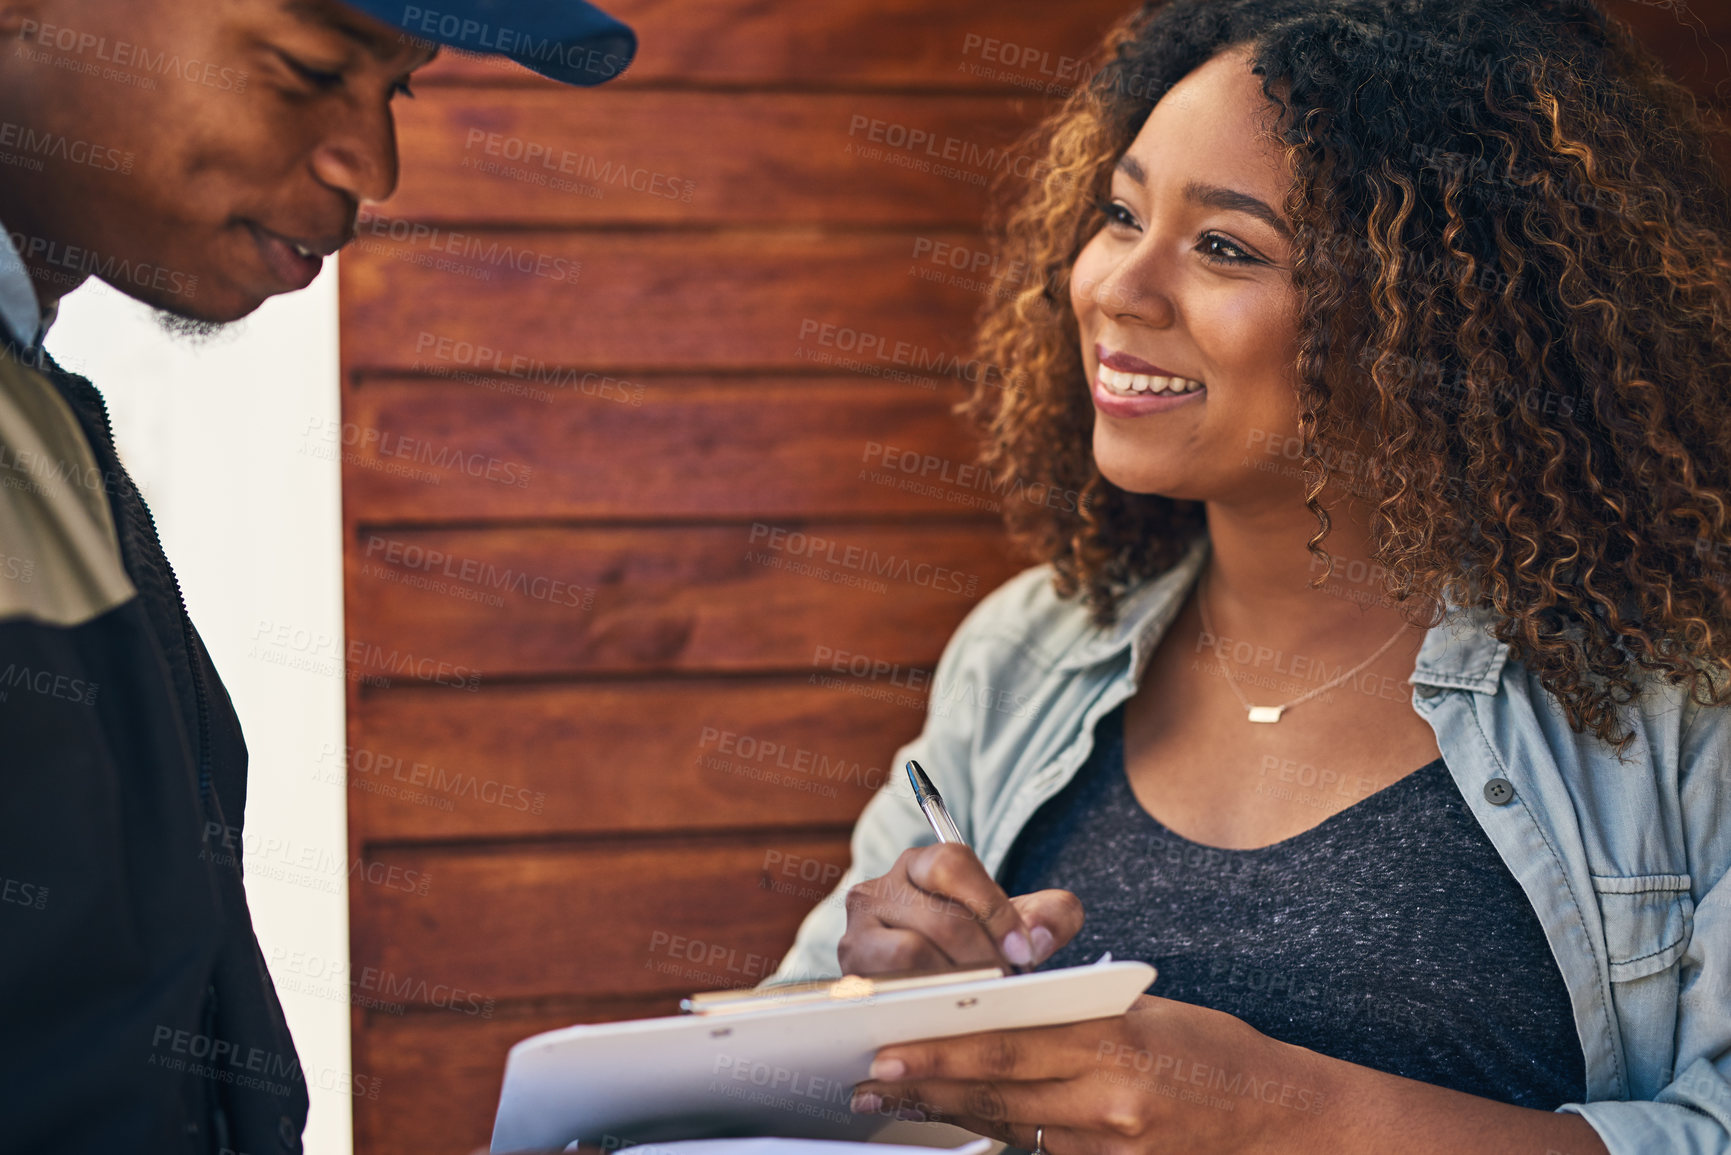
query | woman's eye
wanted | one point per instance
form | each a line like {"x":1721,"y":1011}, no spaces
{"x":1215,"y":247}
{"x":401,"y":88}
{"x":1116,"y":214}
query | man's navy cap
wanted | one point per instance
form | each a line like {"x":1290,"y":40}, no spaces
{"x":567,"y":40}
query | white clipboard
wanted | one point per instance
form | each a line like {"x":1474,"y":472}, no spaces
{"x":787,"y":1071}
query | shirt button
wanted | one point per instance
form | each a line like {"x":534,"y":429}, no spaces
{"x":1499,"y":792}
{"x":289,"y":1133}
{"x":1425,"y":691}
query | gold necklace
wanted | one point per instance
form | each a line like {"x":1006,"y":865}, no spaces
{"x":1272,"y":713}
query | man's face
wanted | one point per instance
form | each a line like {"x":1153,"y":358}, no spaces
{"x":199,"y":155}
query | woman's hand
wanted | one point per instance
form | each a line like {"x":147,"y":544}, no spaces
{"x":937,"y":907}
{"x":1164,"y":1076}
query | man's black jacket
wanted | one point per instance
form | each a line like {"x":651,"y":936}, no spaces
{"x":136,"y":1013}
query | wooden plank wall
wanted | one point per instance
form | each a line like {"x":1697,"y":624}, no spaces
{"x":631,"y":376}
{"x":627,"y":377}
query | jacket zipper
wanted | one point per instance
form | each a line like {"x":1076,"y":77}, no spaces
{"x":186,"y":633}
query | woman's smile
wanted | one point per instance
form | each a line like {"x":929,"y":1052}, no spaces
{"x":1127,"y":386}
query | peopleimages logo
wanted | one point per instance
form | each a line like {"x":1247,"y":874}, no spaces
{"x":478,"y":36}
{"x":1065,"y":70}
{"x":488,"y":254}
{"x":798,"y":544}
{"x":875,"y":346}
{"x":474,"y":571}
{"x":68,"y":264}
{"x":928,"y":145}
{"x":47,"y":684}
{"x":64,"y":148}
{"x":122,"y":57}
{"x":921,"y":467}
{"x":576,"y":164}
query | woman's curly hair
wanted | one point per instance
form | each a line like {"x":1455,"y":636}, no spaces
{"x":1514,"y":288}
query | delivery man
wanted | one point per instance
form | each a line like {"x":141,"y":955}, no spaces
{"x":200,"y":156}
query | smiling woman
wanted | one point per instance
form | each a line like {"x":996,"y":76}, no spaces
{"x":1383,"y":652}
{"x":1475,"y":225}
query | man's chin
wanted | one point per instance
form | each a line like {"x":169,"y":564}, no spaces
{"x":193,"y":330}
{"x":196,"y":308}
{"x":202,"y":321}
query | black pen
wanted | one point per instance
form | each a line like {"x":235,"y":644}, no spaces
{"x":932,"y":806}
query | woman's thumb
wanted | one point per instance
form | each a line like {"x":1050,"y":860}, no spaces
{"x":1053,"y":918}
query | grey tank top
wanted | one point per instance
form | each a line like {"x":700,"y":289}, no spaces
{"x":1391,"y":935}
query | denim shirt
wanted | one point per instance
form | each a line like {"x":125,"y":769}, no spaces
{"x":1623,"y":861}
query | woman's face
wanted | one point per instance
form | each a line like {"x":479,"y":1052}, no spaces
{"x":1189,"y":278}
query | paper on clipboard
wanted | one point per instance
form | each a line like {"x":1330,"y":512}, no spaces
{"x":788,"y":1071}
{"x":770,"y":1146}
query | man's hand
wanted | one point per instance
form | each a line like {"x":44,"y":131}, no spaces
{"x":938,"y":908}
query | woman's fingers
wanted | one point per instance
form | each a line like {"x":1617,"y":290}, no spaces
{"x":892,"y":925}
{"x":1053,"y":918}
{"x":941,"y":1100}
{"x":990,"y":1108}
{"x":943,"y":895}
{"x":886,"y":950}
{"x":953,"y":872}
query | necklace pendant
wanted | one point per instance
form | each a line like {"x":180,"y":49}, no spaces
{"x":1266,"y":713}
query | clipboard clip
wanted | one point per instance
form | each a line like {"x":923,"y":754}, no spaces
{"x":848,"y":988}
